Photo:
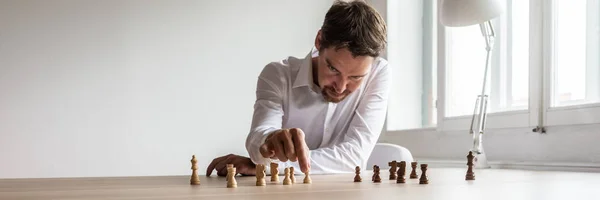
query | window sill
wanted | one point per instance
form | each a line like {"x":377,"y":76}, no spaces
{"x":504,"y":113}
{"x":574,"y":107}
{"x":424,"y":129}
{"x":500,"y":120}
{"x":540,"y":166}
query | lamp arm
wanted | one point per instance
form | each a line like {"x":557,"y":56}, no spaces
{"x":481,"y":104}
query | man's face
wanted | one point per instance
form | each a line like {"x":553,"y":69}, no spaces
{"x":339,"y":73}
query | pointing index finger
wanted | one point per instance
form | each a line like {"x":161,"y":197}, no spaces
{"x":301,"y":149}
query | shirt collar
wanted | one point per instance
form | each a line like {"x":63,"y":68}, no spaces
{"x":305,"y":76}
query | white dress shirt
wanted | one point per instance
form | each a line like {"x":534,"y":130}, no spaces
{"x":340,"y":136}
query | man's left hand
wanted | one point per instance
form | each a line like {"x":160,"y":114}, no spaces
{"x":243,"y":165}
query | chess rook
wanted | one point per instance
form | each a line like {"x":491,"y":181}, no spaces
{"x":413,"y":173}
{"x":423,"y":179}
{"x":260,"y":175}
{"x":231,"y":182}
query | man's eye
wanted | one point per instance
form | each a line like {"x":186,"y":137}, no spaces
{"x":356,"y":77}
{"x":332,"y":69}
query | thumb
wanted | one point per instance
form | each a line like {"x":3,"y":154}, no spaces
{"x":266,"y":152}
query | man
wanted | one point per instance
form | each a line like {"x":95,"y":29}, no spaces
{"x":323,"y":113}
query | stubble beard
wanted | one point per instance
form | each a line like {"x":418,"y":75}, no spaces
{"x":329,"y":98}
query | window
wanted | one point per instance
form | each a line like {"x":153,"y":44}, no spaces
{"x":573,"y":62}
{"x":465,"y":59}
{"x":575,"y":70}
{"x":411,"y":54}
{"x":545,"y":66}
{"x":507,"y":78}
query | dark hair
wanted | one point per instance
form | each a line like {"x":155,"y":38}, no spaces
{"x":354,"y":25}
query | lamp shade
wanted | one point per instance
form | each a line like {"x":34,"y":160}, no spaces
{"x":468,"y":12}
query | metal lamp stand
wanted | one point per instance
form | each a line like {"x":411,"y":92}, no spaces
{"x":481,"y":104}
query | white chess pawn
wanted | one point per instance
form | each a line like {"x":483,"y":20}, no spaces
{"x":287,"y":180}
{"x":292,"y":175}
{"x":307,"y":179}
{"x":274,"y":172}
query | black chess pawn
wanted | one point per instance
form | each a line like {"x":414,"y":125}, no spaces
{"x":357,"y":177}
{"x":376,"y":177}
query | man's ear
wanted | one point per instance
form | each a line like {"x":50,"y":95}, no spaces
{"x":318,"y":40}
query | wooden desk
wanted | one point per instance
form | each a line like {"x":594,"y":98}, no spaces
{"x":444,"y":183}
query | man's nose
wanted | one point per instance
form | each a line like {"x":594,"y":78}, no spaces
{"x":340,"y":85}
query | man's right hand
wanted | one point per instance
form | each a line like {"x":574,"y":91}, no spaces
{"x":287,"y":144}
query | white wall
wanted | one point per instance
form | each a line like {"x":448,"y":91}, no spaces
{"x":134,"y":88}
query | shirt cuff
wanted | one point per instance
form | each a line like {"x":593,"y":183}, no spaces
{"x":255,"y":155}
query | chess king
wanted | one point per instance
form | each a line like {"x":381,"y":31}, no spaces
{"x":324,"y":112}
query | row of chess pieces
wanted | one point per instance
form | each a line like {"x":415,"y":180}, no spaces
{"x":398,"y":171}
{"x":260,"y":175}
{"x":289,"y":177}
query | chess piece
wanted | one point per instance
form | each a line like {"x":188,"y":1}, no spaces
{"x":287,"y":180}
{"x":374,"y":169}
{"x":195,"y":179}
{"x":307,"y":179}
{"x":377,"y":178}
{"x":292,"y":177}
{"x":260,"y":175}
{"x":401,"y":172}
{"x":470,"y":174}
{"x":274,"y":172}
{"x":357,"y":177}
{"x":231,"y":182}
{"x":393,"y":167}
{"x":413,"y":173}
{"x":423,"y":179}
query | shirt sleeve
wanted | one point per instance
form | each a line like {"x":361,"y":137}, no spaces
{"x":356,"y":145}
{"x":268,"y":110}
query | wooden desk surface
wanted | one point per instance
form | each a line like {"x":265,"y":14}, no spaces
{"x":444,"y":183}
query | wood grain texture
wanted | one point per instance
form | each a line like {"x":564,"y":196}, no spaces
{"x":444,"y":183}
